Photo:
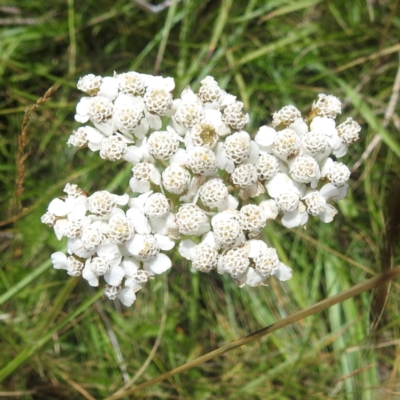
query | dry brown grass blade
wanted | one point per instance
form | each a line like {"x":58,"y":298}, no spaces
{"x":318,"y":307}
{"x":22,"y":154}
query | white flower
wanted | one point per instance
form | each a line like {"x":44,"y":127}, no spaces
{"x":73,"y":210}
{"x":315,"y":143}
{"x":327,"y":105}
{"x":245,"y":177}
{"x":237,"y":147}
{"x":337,"y":172}
{"x":131,"y":83}
{"x":109,"y":88}
{"x":207,"y":132}
{"x":327,"y":126}
{"x":267,"y":166}
{"x":159,"y":82}
{"x":73,"y":207}
{"x":209,"y":90}
{"x":349,"y":131}
{"x":287,"y":145}
{"x":106,"y":264}
{"x":214,"y":193}
{"x":305,"y":169}
{"x":144,"y":174}
{"x":227,"y":229}
{"x":146,"y":248}
{"x":158,"y":101}
{"x":90,"y":84}
{"x":71,"y":264}
{"x":265,"y":138}
{"x":299,"y":126}
{"x":48,"y":219}
{"x":234,"y":116}
{"x":98,"y":109}
{"x":176,"y":179}
{"x":266,"y":261}
{"x":222,"y":160}
{"x":113,"y":148}
{"x":335,"y":193}
{"x":93,"y":136}
{"x":150,"y":213}
{"x":163,"y":144}
{"x":285,"y":116}
{"x":119,"y":228}
{"x":192,"y":220}
{"x":317,"y":205}
{"x":189,"y":110}
{"x":103,"y":202}
{"x":286,"y":194}
{"x":270,"y":209}
{"x":201,"y":161}
{"x":266,"y":264}
{"x":78,"y":138}
{"x":128,"y":116}
{"x":234,"y":261}
{"x":204,"y":256}
{"x":252,"y":219}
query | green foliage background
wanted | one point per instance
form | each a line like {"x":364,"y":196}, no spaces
{"x":59,"y":339}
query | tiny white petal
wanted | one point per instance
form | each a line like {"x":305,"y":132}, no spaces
{"x":109,"y":88}
{"x":139,"y":221}
{"x":114,"y":276}
{"x":269,"y":209}
{"x":299,"y":126}
{"x":121,"y":200}
{"x":265,"y":136}
{"x":154,"y":121}
{"x":59,"y":260}
{"x":155,"y":175}
{"x":88,"y":274}
{"x":255,"y":246}
{"x":253,"y":278}
{"x":330,"y":191}
{"x":133,"y":285}
{"x":283,"y":273}
{"x":158,"y":264}
{"x":127,"y":297}
{"x":294,"y":218}
{"x":341,"y":150}
{"x":164,"y":242}
{"x":59,"y":207}
{"x":130,"y":266}
{"x":329,"y":213}
{"x":186,"y":247}
{"x":139,"y":186}
{"x":107,"y":127}
{"x":135,"y":244}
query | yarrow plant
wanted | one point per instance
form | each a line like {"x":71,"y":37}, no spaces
{"x":199,"y":183}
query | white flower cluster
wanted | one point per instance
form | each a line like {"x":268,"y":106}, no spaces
{"x":193,"y":182}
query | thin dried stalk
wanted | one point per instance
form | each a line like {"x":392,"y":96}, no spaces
{"x":22,"y":155}
{"x":316,"y":308}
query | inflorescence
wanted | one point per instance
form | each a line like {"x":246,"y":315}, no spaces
{"x":194,"y":181}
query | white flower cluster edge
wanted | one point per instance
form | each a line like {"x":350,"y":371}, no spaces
{"x":193,"y":182}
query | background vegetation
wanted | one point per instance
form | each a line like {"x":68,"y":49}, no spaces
{"x":61,"y":340}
